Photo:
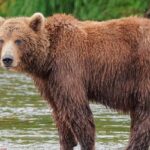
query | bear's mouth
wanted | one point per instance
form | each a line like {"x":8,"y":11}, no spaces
{"x":10,"y":68}
{"x":7,"y":67}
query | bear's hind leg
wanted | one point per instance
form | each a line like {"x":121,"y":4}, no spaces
{"x":140,"y":130}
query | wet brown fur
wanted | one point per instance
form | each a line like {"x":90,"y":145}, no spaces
{"x":74,"y":62}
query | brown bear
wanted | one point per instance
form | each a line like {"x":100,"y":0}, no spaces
{"x":74,"y":62}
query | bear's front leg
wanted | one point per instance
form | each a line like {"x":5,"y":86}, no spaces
{"x":72,"y":109}
{"x":66,"y":136}
{"x":84,"y":128}
{"x":80,"y":120}
{"x":68,"y":90}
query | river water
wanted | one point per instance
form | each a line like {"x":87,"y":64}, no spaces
{"x":26,"y":122}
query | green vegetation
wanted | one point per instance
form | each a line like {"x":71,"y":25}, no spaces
{"x":83,"y":9}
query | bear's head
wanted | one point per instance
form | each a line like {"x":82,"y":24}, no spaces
{"x":23,"y":43}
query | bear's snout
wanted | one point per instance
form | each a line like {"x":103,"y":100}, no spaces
{"x":7,"y":61}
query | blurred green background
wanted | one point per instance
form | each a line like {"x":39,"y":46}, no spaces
{"x":82,"y":9}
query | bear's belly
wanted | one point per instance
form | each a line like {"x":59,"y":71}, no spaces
{"x":119,"y":97}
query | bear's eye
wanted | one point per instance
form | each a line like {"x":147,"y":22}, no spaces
{"x":18,"y":42}
{"x":1,"y":41}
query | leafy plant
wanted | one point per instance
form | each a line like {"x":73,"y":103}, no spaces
{"x":83,"y":9}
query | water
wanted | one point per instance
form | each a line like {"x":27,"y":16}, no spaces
{"x":26,"y":123}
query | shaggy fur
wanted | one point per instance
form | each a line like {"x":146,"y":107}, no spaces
{"x":73,"y":62}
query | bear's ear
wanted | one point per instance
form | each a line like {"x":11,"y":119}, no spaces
{"x":1,"y":20}
{"x":37,"y":21}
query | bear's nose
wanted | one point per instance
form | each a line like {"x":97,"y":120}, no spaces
{"x":7,"y":61}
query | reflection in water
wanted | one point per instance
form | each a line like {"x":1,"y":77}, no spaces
{"x":25,"y":121}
